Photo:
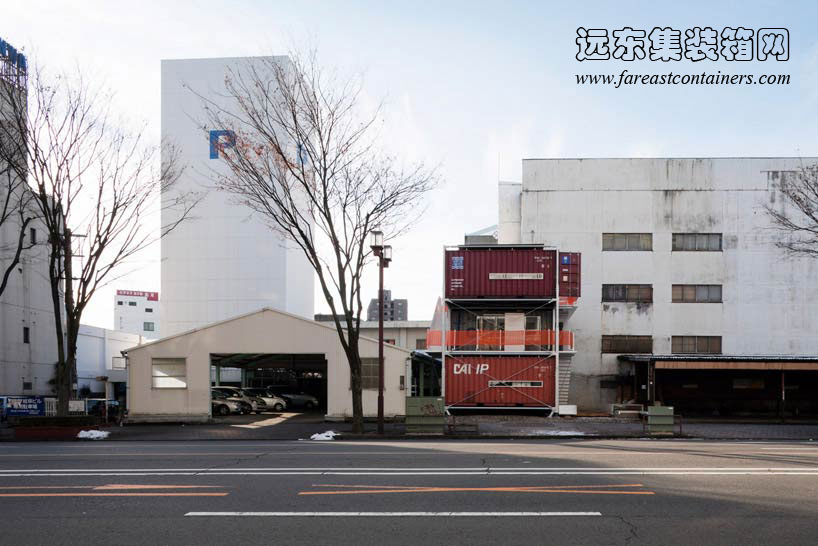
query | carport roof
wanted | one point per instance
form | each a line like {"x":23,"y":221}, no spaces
{"x":387,"y":346}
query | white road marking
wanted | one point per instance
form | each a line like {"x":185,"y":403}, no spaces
{"x":470,"y":471}
{"x":389,"y":514}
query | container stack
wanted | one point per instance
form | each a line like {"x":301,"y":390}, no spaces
{"x":503,"y":346}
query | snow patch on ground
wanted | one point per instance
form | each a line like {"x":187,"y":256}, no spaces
{"x":560,"y":433}
{"x":324,"y":436}
{"x":93,"y":434}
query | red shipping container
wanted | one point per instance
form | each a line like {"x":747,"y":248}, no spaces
{"x":495,"y":381}
{"x":570,"y":269}
{"x":500,"y":272}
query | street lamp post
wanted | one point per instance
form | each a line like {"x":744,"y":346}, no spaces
{"x":384,"y":255}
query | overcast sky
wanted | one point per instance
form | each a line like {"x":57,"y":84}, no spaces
{"x":472,"y":86}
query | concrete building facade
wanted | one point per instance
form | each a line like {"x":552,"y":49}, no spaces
{"x":28,"y":341}
{"x":678,"y":258}
{"x":100,"y":364}
{"x":224,"y":261}
{"x":137,"y":312}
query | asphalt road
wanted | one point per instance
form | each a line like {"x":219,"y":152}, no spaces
{"x":458,"y":492}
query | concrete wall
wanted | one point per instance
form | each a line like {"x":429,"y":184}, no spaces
{"x":265,"y":331}
{"x":96,"y":349}
{"x":26,"y":302}
{"x":769,"y":300}
{"x":224,"y":262}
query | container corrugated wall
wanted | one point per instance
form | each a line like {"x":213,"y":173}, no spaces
{"x":525,"y":381}
{"x":570,"y":271}
{"x":500,"y":273}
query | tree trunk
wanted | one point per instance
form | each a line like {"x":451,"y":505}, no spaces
{"x":357,"y":389}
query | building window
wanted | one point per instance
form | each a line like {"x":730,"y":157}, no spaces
{"x":420,"y":344}
{"x":32,"y":234}
{"x":634,"y":293}
{"x":119,"y":303}
{"x":389,"y":341}
{"x":27,"y":386}
{"x":169,"y":373}
{"x":695,"y":345}
{"x":369,"y":373}
{"x":697,"y":242}
{"x":696,"y":293}
{"x":627,"y":241}
{"x":627,"y":344}
{"x":131,"y":304}
{"x":148,"y":309}
{"x":26,"y":335}
{"x":147,"y":326}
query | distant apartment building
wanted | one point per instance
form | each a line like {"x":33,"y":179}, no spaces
{"x":392,"y":309}
{"x":137,"y":312}
{"x":687,"y":300}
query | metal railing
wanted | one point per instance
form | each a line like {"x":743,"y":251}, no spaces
{"x":502,"y":340}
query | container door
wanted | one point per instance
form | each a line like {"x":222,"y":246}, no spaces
{"x":515,"y":332}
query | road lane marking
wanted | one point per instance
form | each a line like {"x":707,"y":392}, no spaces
{"x":389,"y":514}
{"x":134,"y":494}
{"x":576,"y":489}
{"x":471,"y":471}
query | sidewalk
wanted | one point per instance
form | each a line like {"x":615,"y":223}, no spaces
{"x":302,"y":426}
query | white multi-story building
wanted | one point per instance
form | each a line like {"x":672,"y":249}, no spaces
{"x":224,"y":262}
{"x":679,"y":269}
{"x":28,"y":340}
{"x":137,"y":312}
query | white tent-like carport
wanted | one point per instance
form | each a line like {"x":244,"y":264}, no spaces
{"x":170,"y":379}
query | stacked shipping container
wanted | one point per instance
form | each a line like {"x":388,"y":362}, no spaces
{"x":502,"y":351}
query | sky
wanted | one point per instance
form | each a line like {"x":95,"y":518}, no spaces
{"x":472,"y":87}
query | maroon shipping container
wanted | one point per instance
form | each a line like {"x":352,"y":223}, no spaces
{"x":569,"y":272}
{"x":500,"y":272}
{"x":494,"y":381}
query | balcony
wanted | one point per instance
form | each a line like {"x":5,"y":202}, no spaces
{"x":502,"y":340}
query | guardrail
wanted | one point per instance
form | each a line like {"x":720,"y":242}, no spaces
{"x":502,"y":340}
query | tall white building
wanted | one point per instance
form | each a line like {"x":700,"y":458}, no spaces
{"x":679,"y":268}
{"x":224,"y":262}
{"x":28,"y":341}
{"x":137,"y":312}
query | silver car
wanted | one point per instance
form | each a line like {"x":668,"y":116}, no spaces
{"x":223,"y":406}
{"x":273,"y":402}
{"x":256,"y":404}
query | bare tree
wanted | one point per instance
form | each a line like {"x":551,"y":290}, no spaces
{"x":16,"y":211}
{"x":302,"y":156}
{"x":96,"y":187}
{"x":797,"y":213}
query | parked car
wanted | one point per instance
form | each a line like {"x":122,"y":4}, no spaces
{"x":273,"y":402}
{"x":300,"y":400}
{"x":256,"y":404}
{"x":221,"y":404}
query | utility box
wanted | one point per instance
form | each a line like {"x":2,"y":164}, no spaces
{"x":660,"y":419}
{"x":425,"y":414}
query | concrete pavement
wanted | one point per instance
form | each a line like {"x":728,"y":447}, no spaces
{"x":366,"y":492}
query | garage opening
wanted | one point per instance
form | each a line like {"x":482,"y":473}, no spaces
{"x":298,"y":378}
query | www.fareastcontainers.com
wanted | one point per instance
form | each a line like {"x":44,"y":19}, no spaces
{"x":626,"y":79}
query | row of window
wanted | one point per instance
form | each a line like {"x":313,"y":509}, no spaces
{"x":133,"y":304}
{"x":680,"y":293}
{"x":678,"y":344}
{"x":707,"y":242}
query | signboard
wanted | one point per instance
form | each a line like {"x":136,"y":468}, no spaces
{"x":25,"y":405}
{"x":515,"y":276}
{"x":151,"y":296}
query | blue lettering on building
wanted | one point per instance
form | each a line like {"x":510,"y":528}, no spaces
{"x":221,"y":140}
